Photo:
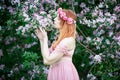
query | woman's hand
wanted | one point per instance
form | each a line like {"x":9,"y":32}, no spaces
{"x":41,"y":34}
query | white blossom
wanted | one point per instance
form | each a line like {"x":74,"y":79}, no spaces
{"x":91,"y":77}
{"x":13,"y":2}
{"x":45,"y":70}
{"x":101,"y":5}
{"x":82,"y":64}
{"x":88,"y":38}
{"x":107,"y":14}
{"x":82,"y":5}
{"x":107,"y":41}
{"x":97,"y":58}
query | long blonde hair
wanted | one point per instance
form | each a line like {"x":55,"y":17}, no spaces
{"x":66,"y":30}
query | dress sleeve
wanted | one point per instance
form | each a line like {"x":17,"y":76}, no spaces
{"x":62,"y":47}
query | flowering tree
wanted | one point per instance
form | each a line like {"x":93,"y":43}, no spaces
{"x":97,"y":51}
{"x":103,"y":40}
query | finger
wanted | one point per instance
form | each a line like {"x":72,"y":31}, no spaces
{"x":36,"y":30}
{"x":36,"y":33}
{"x":43,"y":30}
{"x":40,"y":29}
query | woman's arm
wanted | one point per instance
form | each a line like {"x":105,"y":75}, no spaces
{"x":56,"y":54}
{"x":49,"y":58}
{"x":44,"y":59}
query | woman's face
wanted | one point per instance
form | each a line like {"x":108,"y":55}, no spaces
{"x":57,"y":22}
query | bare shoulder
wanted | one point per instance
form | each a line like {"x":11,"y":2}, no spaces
{"x":70,"y":42}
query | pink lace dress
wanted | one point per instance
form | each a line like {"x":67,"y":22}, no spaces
{"x":63,"y":69}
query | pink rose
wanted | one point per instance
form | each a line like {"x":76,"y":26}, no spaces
{"x":64,"y":18}
{"x":62,"y":14}
{"x":69,"y":20}
{"x":59,"y":10}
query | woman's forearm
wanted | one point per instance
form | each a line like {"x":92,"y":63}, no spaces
{"x":41,"y":46}
{"x":49,"y":58}
{"x":44,"y":49}
{"x":45,"y":58}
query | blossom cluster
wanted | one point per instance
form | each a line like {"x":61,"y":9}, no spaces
{"x":100,"y":18}
{"x":36,"y":19}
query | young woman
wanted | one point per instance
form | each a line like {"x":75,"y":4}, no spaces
{"x":59,"y":56}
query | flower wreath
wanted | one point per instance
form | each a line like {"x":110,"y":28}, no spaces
{"x":64,"y":17}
